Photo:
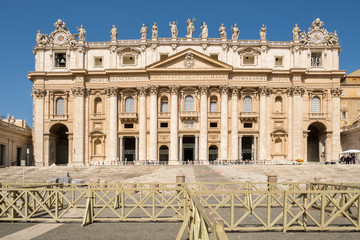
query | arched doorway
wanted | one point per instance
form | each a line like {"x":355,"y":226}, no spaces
{"x":164,"y":154}
{"x":213,"y":153}
{"x":316,"y":140}
{"x":59,"y":144}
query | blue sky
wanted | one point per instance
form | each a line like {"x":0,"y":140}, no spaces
{"x":20,"y":20}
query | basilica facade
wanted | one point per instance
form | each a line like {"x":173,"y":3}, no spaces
{"x":186,"y":99}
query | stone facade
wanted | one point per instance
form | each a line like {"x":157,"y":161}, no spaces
{"x":15,"y":142}
{"x":177,"y":99}
{"x":350,"y":111}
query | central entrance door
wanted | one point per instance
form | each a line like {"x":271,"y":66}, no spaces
{"x":189,"y":147}
{"x":129,"y":149}
{"x":246,"y":148}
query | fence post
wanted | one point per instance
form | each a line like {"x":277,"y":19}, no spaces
{"x":272,"y":180}
{"x":89,"y":210}
{"x":285,"y":211}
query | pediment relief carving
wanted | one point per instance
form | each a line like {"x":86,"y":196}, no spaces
{"x":128,"y":51}
{"x":249,"y":51}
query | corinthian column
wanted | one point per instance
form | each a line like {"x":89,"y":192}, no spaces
{"x":111,"y":152}
{"x":335,"y":92}
{"x":153,"y":123}
{"x":203,"y":153}
{"x":39,"y":95}
{"x":262,"y":123}
{"x":142,"y":123}
{"x":224,"y":123}
{"x":79,"y":125}
{"x":174,"y":140}
{"x":234,"y":124}
{"x":297,"y":122}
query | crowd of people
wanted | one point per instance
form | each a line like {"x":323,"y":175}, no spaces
{"x":349,"y":159}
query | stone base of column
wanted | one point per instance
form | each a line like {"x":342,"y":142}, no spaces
{"x":204,"y":162}
{"x":39,"y":164}
{"x":174,"y":162}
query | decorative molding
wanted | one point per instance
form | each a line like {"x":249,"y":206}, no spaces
{"x":224,"y":89}
{"x":249,"y":51}
{"x":39,"y":93}
{"x":112,"y":91}
{"x":336,"y":92}
{"x":174,"y":89}
{"x":204,"y":89}
{"x":128,"y":51}
{"x":153,"y":89}
{"x":78,"y":91}
{"x":142,"y":90}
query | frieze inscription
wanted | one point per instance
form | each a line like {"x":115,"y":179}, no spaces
{"x":128,"y":79}
{"x":250,"y":78}
{"x":188,"y":77}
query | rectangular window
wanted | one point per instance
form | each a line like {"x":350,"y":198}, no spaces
{"x":163,"y":56}
{"x":128,"y":60}
{"x":316,"y":60}
{"x":214,"y":56}
{"x":128,"y":125}
{"x":164,"y":125}
{"x":164,"y":107}
{"x":98,"y":62}
{"x":278,"y":61}
{"x":213,"y":124}
{"x":247,"y":125}
{"x":249,"y":60}
{"x":60,"y":60}
{"x":2,"y":154}
{"x":343,"y":115}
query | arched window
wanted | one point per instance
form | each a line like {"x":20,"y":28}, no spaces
{"x":129,"y":104}
{"x":213,"y":104}
{"x":97,"y":147}
{"x":278,"y":104}
{"x":189,"y":103}
{"x":164,"y":104}
{"x":315,"y":105}
{"x":247,"y":107}
{"x":98,"y":105}
{"x":60,"y":106}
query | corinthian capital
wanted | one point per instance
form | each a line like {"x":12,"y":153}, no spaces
{"x":112,"y":91}
{"x":142,"y":90}
{"x":336,"y":92}
{"x":235,"y":90}
{"x":39,"y":93}
{"x":154,"y":89}
{"x":174,"y":89}
{"x":224,"y":89}
{"x":78,"y":91}
{"x":263,"y":91}
{"x":203,"y":89}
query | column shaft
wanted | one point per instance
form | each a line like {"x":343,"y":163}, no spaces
{"x":181,"y":149}
{"x":297,"y":127}
{"x":224,"y":124}
{"x":142,"y":123}
{"x":39,"y":130}
{"x":174,"y":140}
{"x":113,"y":119}
{"x":121,"y":149}
{"x":153,"y":124}
{"x":240,"y":146}
{"x":79,"y":126}
{"x":234,"y":125}
{"x":336,"y":144}
{"x":196,"y":147}
{"x":262,"y":122}
{"x":136,"y":149}
{"x":203,"y":147}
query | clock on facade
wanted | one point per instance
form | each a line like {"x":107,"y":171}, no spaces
{"x":317,"y":37}
{"x":60,"y":38}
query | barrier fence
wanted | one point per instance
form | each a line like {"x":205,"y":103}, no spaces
{"x":206,"y":209}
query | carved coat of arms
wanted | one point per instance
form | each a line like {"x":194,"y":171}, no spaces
{"x":189,"y":61}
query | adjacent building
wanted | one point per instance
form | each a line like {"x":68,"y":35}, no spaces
{"x":15,"y":142}
{"x":186,"y":99}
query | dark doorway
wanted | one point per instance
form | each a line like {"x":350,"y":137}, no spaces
{"x":213,"y":153}
{"x":164,"y":154}
{"x":246,"y":148}
{"x":129,"y":149}
{"x":18,"y":156}
{"x":60,"y":151}
{"x":189,"y":146}
{"x":316,"y":142}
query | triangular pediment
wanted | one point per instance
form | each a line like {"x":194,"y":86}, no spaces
{"x":189,"y":60}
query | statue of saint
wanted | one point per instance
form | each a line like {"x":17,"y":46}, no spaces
{"x":41,"y":39}
{"x":143,"y":31}
{"x":222,"y":31}
{"x":263,"y":33}
{"x":174,"y":31}
{"x":114,"y":33}
{"x":190,"y":28}
{"x":82,"y":33}
{"x":204,"y":30}
{"x":154,"y":31}
{"x":236,"y":32}
{"x":296,"y":32}
{"x":59,"y":24}
{"x":333,"y":38}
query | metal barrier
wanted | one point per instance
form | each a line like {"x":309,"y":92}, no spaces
{"x":238,"y":206}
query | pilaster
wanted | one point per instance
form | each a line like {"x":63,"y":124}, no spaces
{"x":174,"y":140}
{"x":153,"y":123}
{"x":234,"y":124}
{"x":224,"y":123}
{"x":142,"y":123}
{"x":39,"y":95}
{"x":111,"y":154}
{"x":79,"y":125}
{"x":336,"y":147}
{"x":203,"y":124}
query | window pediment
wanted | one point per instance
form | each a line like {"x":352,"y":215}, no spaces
{"x":249,"y":51}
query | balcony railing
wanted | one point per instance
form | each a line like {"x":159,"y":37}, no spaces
{"x":164,"y":114}
{"x":214,"y":114}
{"x":98,"y":115}
{"x":189,"y":115}
{"x":59,"y":116}
{"x":278,"y":115}
{"x":317,"y":115}
{"x":128,"y":116}
{"x":249,"y":116}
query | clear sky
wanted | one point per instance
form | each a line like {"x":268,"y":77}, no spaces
{"x":20,"y":20}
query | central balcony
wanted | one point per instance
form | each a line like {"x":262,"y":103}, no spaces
{"x":189,"y":115}
{"x":128,"y":116}
{"x":317,"y":115}
{"x":249,"y":116}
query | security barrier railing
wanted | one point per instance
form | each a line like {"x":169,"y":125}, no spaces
{"x":238,"y":206}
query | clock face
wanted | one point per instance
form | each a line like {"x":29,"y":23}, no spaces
{"x":60,"y":38}
{"x":317,"y":37}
